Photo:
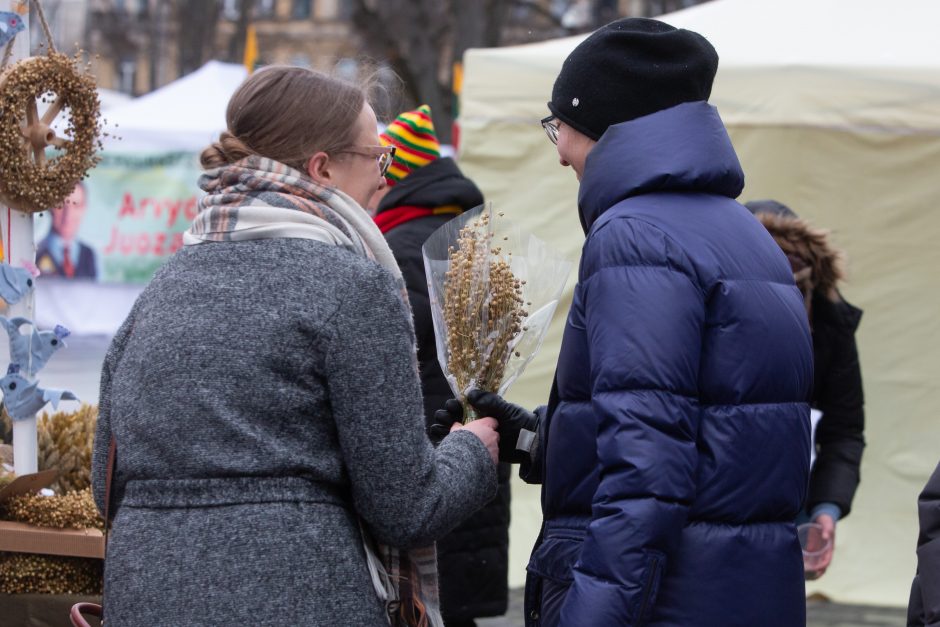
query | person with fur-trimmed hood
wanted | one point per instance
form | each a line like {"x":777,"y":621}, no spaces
{"x":424,"y":191}
{"x":818,"y":268}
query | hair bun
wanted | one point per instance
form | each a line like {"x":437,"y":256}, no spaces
{"x":228,"y":149}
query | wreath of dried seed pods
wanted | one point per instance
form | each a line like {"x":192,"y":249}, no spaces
{"x":28,"y":180}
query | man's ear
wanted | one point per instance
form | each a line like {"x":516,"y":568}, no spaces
{"x":320,"y":168}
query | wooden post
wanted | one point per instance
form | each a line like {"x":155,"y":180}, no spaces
{"x":19,"y":249}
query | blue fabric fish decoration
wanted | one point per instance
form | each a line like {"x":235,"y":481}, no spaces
{"x":10,"y":25}
{"x":14,"y":283}
{"x":23,"y":399}
{"x":32,"y":350}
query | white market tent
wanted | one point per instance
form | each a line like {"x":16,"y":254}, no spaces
{"x":111,"y":99}
{"x":834,"y":109}
{"x":185,"y":115}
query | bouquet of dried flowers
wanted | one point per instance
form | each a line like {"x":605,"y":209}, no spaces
{"x":493,"y":291}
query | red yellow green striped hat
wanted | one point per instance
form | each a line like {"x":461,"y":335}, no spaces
{"x":412,"y":134}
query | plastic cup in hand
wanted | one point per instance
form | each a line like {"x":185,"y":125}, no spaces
{"x":813,"y":544}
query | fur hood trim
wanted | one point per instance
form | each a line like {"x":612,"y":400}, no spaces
{"x":798,"y":239}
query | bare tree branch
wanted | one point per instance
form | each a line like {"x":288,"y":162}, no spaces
{"x":414,"y":48}
{"x":421,"y":39}
{"x":236,"y":45}
{"x":197,"y":23}
{"x":539,"y":8}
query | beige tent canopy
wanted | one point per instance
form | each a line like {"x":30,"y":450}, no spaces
{"x":834,"y":109}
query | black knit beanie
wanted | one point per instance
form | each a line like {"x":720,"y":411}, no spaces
{"x":628,"y":69}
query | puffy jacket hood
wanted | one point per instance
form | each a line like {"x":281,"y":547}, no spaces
{"x":685,"y":148}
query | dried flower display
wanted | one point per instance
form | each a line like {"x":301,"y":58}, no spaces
{"x":483,"y":308}
{"x":50,"y":123}
{"x":50,"y":574}
{"x":493,"y":291}
{"x":24,"y":573}
{"x":72,"y":510}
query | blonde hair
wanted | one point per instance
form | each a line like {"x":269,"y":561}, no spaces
{"x":287,"y":114}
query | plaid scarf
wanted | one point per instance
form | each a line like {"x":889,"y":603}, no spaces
{"x":259,"y":198}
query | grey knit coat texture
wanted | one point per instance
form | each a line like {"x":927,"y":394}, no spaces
{"x":264,"y":400}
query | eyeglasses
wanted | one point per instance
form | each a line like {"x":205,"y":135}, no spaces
{"x":383,"y":155}
{"x":551,"y":128}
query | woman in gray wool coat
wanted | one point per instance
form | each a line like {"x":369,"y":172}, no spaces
{"x":271,"y":462}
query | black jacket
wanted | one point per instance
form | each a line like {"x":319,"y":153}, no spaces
{"x":837,"y":393}
{"x":473,"y":560}
{"x":837,"y":384}
{"x":924,"y":607}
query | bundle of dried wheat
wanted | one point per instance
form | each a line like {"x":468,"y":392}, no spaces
{"x":65,"y":445}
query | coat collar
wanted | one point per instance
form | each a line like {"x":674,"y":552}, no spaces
{"x":684,"y":148}
{"x":438,"y":183}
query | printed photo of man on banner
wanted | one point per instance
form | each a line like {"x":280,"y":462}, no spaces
{"x":122,"y":223}
{"x":61,"y":253}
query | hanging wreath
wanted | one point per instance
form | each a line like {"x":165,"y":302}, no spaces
{"x":29,"y":181}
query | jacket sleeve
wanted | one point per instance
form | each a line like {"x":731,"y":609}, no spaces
{"x":408,"y":492}
{"x":924,"y":608}
{"x":839,"y":435}
{"x":99,"y":462}
{"x":644,"y":316}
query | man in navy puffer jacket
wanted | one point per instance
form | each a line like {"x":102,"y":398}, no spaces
{"x":674,"y":451}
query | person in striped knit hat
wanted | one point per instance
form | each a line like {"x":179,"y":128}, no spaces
{"x":412,"y":134}
{"x":425,"y":190}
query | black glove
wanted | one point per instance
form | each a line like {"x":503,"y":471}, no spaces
{"x":444,"y":419}
{"x":513,"y":421}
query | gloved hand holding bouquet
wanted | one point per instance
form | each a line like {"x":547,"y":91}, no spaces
{"x":493,"y":291}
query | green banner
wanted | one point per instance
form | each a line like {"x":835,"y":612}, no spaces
{"x":122,"y":222}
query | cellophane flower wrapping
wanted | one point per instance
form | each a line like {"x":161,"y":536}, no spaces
{"x":493,"y":291}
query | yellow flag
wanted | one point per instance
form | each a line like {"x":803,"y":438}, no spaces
{"x":458,"y":78}
{"x":251,"y":49}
